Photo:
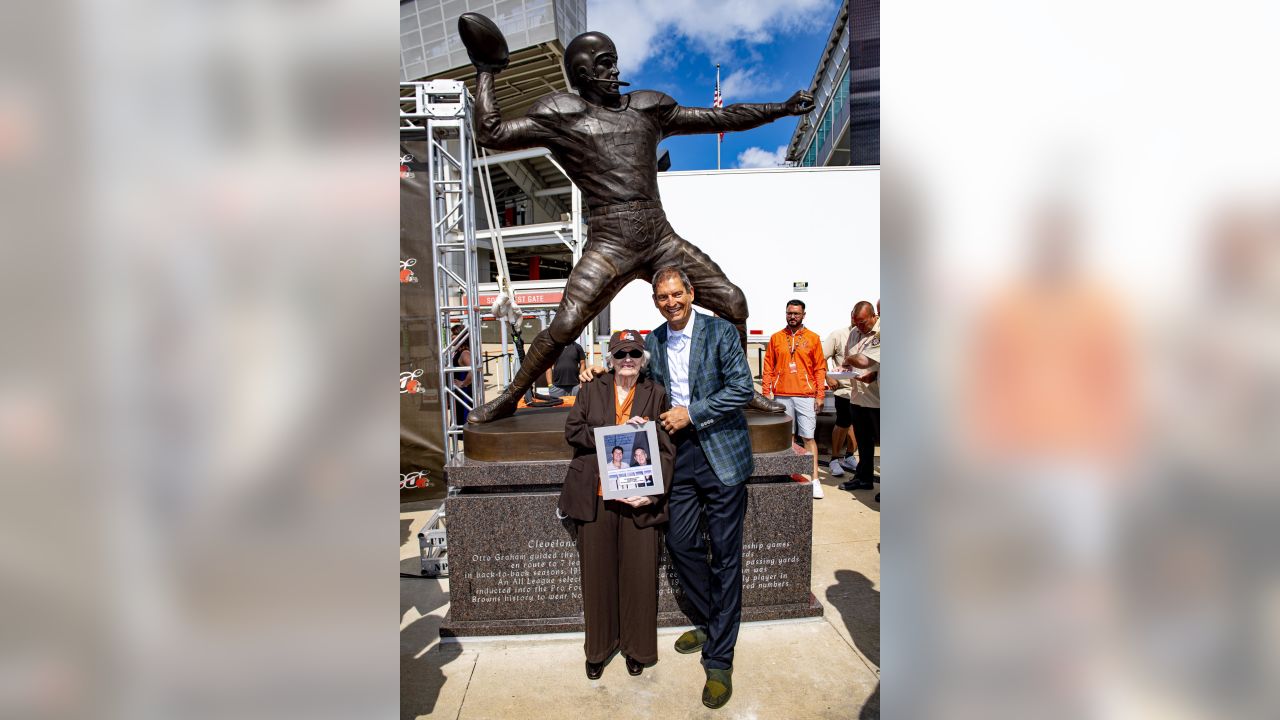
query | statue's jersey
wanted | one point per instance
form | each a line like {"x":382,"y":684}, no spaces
{"x":610,"y":154}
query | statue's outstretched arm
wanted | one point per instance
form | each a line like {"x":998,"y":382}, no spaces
{"x":678,"y":120}
{"x":497,"y":134}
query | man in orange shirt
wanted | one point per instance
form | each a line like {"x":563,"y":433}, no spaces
{"x":795,"y":373}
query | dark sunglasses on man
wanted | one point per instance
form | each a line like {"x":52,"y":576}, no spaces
{"x":628,"y":353}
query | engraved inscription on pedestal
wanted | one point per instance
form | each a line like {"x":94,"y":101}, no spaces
{"x":511,"y":558}
{"x":513,"y":561}
{"x":773,"y":573}
{"x":538,"y":576}
{"x":771,"y":567}
{"x":776,"y":545}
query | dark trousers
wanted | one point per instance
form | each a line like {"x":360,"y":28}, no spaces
{"x":714,"y":590}
{"x":866,"y":431}
{"x":619,"y":564}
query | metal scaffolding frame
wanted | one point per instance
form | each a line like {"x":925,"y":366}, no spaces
{"x":570,"y":232}
{"x":439,"y":113}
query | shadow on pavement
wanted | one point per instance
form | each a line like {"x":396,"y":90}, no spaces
{"x":868,"y":497}
{"x":871,"y":498}
{"x":859,"y":604}
{"x":871,"y":708}
{"x":422,"y":674}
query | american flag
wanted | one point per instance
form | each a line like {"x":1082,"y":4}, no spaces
{"x":718,"y":101}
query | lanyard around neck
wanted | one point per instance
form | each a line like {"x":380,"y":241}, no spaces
{"x":791,"y":340}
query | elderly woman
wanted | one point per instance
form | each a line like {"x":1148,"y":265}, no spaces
{"x":617,"y":539}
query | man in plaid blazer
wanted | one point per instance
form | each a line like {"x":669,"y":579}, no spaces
{"x":699,"y":359}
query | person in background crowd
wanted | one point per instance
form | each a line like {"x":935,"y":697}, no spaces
{"x":835,"y":348}
{"x":617,"y":539}
{"x":461,"y":381}
{"x":562,"y":379}
{"x":864,"y":358}
{"x":794,"y":374}
{"x":877,"y":359}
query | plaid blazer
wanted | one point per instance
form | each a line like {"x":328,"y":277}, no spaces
{"x":720,"y":386}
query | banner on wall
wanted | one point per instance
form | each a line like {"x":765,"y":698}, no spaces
{"x":421,"y":433}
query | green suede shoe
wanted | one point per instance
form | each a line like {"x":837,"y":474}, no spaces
{"x":718,"y":688}
{"x":691,"y":641}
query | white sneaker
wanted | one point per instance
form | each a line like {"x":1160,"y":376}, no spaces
{"x":834,"y":466}
{"x":817,"y":489}
{"x":850,"y":463}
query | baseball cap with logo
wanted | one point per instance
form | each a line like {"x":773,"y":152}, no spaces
{"x":625,"y":340}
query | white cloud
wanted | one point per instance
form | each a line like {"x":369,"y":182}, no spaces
{"x":643,"y":28}
{"x":755,"y":157}
{"x":746,"y":85}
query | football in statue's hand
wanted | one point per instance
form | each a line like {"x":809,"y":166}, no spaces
{"x":485,"y":43}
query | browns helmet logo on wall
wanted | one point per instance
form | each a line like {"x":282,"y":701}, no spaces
{"x":409,"y":384}
{"x":414,"y":480}
{"x":405,"y":172}
{"x":406,"y":273}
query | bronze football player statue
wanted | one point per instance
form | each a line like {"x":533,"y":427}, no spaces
{"x":607,"y":142}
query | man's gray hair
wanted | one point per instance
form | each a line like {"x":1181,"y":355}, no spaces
{"x":608,"y":360}
{"x":665,"y":273}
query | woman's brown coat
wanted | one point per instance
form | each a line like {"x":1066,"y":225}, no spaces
{"x":595,"y":407}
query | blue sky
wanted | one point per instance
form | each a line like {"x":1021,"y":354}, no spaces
{"x":767,"y":49}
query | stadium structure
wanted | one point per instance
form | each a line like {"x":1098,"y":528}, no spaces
{"x":844,"y":127}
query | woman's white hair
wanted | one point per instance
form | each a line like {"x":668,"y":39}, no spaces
{"x":608,"y":360}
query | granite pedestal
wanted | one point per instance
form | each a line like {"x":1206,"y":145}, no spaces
{"x":538,"y":434}
{"x":514,"y":565}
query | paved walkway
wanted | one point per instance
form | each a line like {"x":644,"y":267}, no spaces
{"x":826,"y":667}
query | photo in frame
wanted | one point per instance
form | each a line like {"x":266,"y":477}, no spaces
{"x":627,"y":457}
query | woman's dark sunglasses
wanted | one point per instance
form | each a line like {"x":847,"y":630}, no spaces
{"x":628,"y":353}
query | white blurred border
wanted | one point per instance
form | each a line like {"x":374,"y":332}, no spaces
{"x":1082,"y":242}
{"x":200,"y":401}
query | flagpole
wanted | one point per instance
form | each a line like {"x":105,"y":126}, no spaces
{"x":719,"y":137}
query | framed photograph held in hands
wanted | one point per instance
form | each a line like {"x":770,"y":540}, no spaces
{"x":627,"y":456}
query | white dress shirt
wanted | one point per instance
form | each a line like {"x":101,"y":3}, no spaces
{"x":678,"y":344}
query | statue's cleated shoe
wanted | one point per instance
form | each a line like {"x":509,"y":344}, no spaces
{"x":718,"y":689}
{"x":502,"y":406}
{"x":691,"y":641}
{"x":764,"y":404}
